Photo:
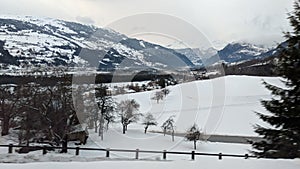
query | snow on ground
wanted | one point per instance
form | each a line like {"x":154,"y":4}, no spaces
{"x":203,"y":162}
{"x":134,"y":139}
{"x":220,"y":106}
{"x":223,"y":106}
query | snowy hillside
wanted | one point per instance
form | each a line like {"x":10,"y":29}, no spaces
{"x":197,"y":55}
{"x":223,"y":106}
{"x":236,"y":52}
{"x":232,"y":53}
{"x":39,"y":42}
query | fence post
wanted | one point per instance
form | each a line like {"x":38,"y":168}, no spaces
{"x":137,"y":154}
{"x":193,"y":155}
{"x":44,"y":150}
{"x":77,"y":151}
{"x":220,"y":156}
{"x":164,"y":154}
{"x":107,"y":152}
{"x":246,"y":156}
{"x":10,"y":148}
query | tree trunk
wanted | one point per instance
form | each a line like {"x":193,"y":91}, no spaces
{"x":64,"y":145}
{"x":96,"y":126}
{"x":27,"y":137}
{"x":173,"y":135}
{"x":146,"y":128}
{"x":5,"y":127}
{"x":124,"y":129}
{"x":101,"y":127}
{"x":107,"y":126}
{"x":90,"y":124}
{"x":195,"y":144}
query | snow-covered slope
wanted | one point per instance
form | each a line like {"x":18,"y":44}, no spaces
{"x":232,"y":53}
{"x":236,"y":52}
{"x":37,"y":42}
{"x":223,"y":106}
{"x":197,"y":55}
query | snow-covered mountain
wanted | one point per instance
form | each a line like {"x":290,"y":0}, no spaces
{"x":27,"y":42}
{"x":231,"y":53}
{"x":197,"y":55}
{"x":235,"y":52}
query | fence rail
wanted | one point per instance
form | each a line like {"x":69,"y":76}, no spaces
{"x":164,"y":153}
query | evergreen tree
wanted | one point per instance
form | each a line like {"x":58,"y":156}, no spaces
{"x":282,"y":140}
{"x":162,"y":83}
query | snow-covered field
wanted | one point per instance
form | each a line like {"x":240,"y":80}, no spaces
{"x":223,"y":106}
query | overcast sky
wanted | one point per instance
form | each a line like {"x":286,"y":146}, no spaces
{"x":256,"y":21}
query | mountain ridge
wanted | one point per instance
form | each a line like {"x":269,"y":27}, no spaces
{"x":39,"y":42}
{"x":232,"y":53}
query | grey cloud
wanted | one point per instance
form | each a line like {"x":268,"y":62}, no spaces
{"x":219,"y":20}
{"x":262,"y":22}
{"x":85,"y":20}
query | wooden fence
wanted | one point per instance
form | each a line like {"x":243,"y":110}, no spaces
{"x":164,"y":153}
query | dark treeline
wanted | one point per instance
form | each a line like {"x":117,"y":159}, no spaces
{"x":257,"y":67}
{"x":98,"y":79}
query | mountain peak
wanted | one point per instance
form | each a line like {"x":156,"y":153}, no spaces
{"x":235,"y":52}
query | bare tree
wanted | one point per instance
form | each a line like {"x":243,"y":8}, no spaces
{"x":62,"y":102}
{"x":44,"y":111}
{"x":90,"y":109}
{"x":159,"y":95}
{"x":168,"y":126}
{"x":165,"y":91}
{"x":149,"y":120}
{"x":37,"y":111}
{"x":106,"y":107}
{"x":110,"y":117}
{"x":8,"y":106}
{"x":30,"y":123}
{"x":193,"y":134}
{"x":128,"y":111}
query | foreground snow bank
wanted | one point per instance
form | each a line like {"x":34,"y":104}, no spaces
{"x":134,"y":139}
{"x":203,"y":162}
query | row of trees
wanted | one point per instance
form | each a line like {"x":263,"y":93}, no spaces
{"x":48,"y":112}
{"x":109,"y":110}
{"x":128,"y":112}
{"x":160,"y":95}
{"x":161,"y":83}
